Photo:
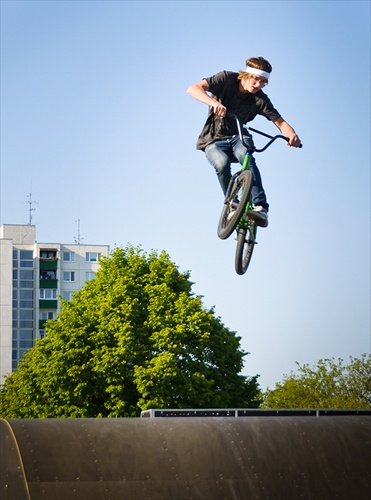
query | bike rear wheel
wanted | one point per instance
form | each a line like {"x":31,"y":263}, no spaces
{"x":246,"y":240}
{"x":239,"y":189}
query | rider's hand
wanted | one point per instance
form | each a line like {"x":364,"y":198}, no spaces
{"x":219,"y":109}
{"x":294,"y":141}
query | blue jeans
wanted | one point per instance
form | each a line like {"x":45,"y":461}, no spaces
{"x":222,"y":153}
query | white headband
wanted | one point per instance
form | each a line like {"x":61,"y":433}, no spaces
{"x":259,"y":72}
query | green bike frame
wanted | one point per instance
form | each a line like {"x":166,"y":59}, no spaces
{"x":243,"y":222}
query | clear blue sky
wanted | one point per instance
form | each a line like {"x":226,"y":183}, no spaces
{"x":96,"y":123}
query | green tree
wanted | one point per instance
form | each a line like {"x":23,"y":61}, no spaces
{"x":329,"y":384}
{"x":133,"y":338}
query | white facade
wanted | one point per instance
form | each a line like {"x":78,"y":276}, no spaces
{"x":32,"y":277}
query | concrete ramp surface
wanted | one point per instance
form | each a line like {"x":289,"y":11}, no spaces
{"x":276,"y":458}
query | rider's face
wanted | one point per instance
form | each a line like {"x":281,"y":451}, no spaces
{"x":253,"y":84}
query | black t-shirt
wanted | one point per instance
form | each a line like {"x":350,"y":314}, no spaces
{"x":224,"y":87}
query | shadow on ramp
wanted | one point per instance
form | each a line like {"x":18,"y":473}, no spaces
{"x":277,"y":458}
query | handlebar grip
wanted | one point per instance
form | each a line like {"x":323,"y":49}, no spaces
{"x":287,"y":140}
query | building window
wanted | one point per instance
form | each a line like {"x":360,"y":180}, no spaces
{"x":26,"y":254}
{"x":25,"y":323}
{"x":26,"y":275}
{"x":89,"y":276}
{"x":67,"y":295}
{"x":26,"y":344}
{"x":48,"y":254}
{"x":69,"y":276}
{"x":25,"y":298}
{"x":15,"y":299}
{"x":26,"y":263}
{"x":45,"y":315}
{"x":25,"y":278}
{"x":25,"y":314}
{"x":42,"y":334}
{"x":25,"y":318}
{"x":46,"y":293}
{"x":15,"y":318}
{"x":25,"y":284}
{"x":48,"y":275}
{"x":26,"y":303}
{"x":92,"y":256}
{"x":26,"y":335}
{"x":68,"y":256}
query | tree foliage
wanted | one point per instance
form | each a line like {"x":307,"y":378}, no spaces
{"x":329,"y":384}
{"x":133,"y":338}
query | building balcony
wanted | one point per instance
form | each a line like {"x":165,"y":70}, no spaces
{"x":48,"y":283}
{"x":48,"y":264}
{"x":48,"y":304}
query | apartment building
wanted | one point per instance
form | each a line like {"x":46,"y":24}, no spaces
{"x":32,"y":277}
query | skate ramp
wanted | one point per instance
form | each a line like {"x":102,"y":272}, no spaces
{"x":179,"y":458}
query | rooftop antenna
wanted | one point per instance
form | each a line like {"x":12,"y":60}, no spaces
{"x":30,"y":207}
{"x":78,"y":239}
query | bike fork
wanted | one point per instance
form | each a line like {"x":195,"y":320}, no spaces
{"x":249,"y":226}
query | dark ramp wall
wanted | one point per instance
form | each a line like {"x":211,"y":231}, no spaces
{"x":179,"y":458}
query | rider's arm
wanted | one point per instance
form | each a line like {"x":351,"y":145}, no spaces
{"x":199,"y":91}
{"x":288,"y":131}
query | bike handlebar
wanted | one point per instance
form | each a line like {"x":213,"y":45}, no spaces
{"x":271,"y":137}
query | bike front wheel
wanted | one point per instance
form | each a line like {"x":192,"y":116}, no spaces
{"x":234,"y":204}
{"x":246,"y":240}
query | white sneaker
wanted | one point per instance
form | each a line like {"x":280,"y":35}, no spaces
{"x":260,"y":215}
{"x":234,"y":205}
{"x":231,"y":214}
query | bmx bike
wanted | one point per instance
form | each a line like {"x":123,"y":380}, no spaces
{"x":238,"y":203}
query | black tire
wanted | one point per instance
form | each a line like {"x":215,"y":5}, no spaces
{"x":246,"y":239}
{"x":240,"y":188}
